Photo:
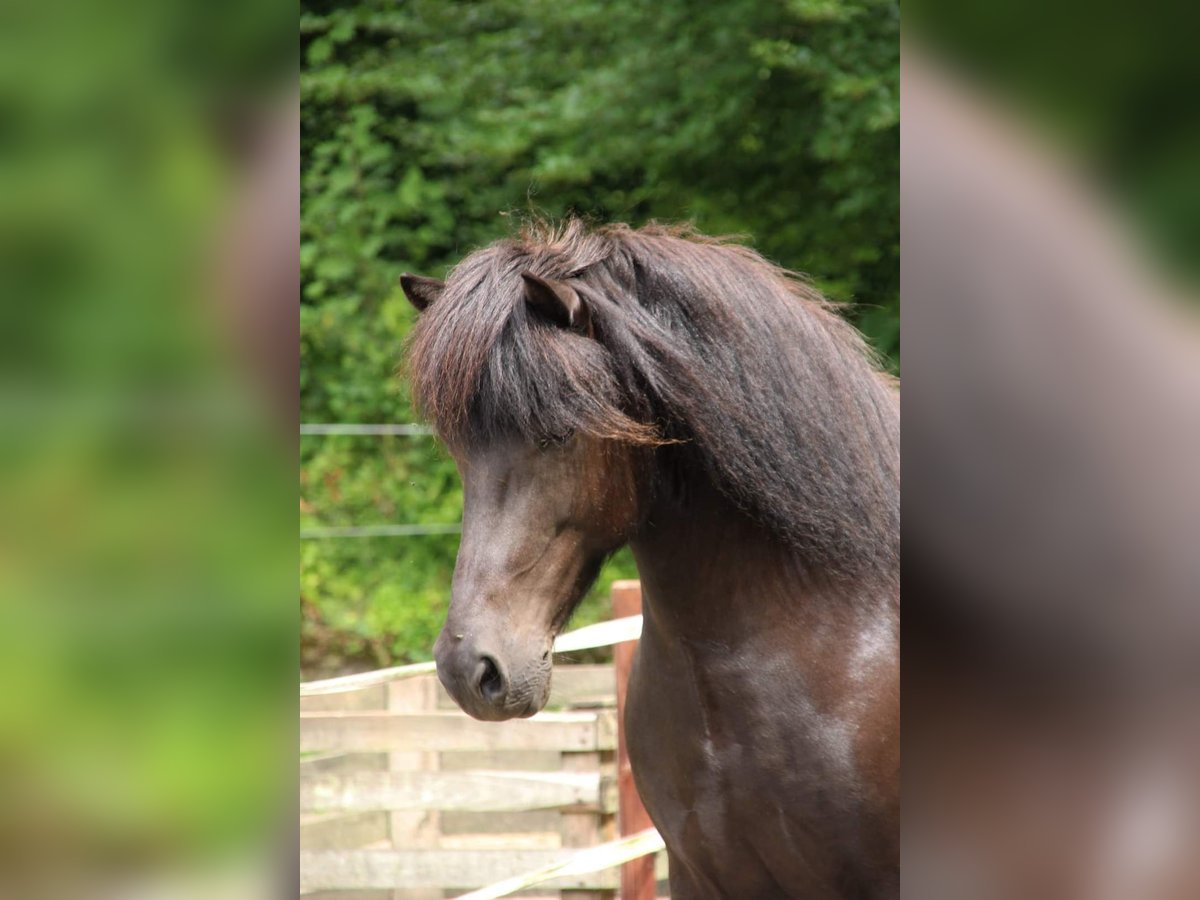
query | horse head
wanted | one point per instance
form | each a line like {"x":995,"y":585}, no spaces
{"x":541,"y":514}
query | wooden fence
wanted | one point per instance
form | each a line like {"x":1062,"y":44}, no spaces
{"x":404,"y":797}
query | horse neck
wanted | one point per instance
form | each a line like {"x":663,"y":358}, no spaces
{"x":713,"y":576}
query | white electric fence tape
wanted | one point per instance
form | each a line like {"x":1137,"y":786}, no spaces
{"x":594,"y":859}
{"x":602,"y":634}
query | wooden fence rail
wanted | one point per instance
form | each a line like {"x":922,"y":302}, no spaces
{"x":477,"y":791}
{"x":441,"y":869}
{"x":382,"y":731}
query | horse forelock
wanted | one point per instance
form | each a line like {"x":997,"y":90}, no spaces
{"x":698,"y":340}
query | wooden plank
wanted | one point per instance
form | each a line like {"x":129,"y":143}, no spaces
{"x":468,"y":791}
{"x":434,"y":731}
{"x":342,"y":831}
{"x":374,"y":697}
{"x":342,"y":764}
{"x":637,"y":876}
{"x":511,"y":840}
{"x":576,"y":683}
{"x":499,"y":824}
{"x":502,"y":761}
{"x":447,"y":869}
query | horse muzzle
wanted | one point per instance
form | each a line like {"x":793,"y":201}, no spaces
{"x":490,"y":681}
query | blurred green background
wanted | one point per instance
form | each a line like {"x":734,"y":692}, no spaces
{"x":147,"y":534}
{"x":428,"y":128}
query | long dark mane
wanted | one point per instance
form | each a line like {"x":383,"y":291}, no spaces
{"x":698,"y":341}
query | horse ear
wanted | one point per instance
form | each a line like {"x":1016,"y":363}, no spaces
{"x":421,"y":291}
{"x":558,"y":302}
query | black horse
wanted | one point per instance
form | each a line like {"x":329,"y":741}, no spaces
{"x":685,"y":396}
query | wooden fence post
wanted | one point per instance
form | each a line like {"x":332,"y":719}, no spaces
{"x":411,"y":830}
{"x":637,"y":877}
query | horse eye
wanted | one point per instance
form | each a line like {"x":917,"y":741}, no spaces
{"x":553,"y":441}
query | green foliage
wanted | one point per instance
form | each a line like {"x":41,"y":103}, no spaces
{"x":429,"y":126}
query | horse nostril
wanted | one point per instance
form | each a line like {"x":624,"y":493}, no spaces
{"x":491,"y":683}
